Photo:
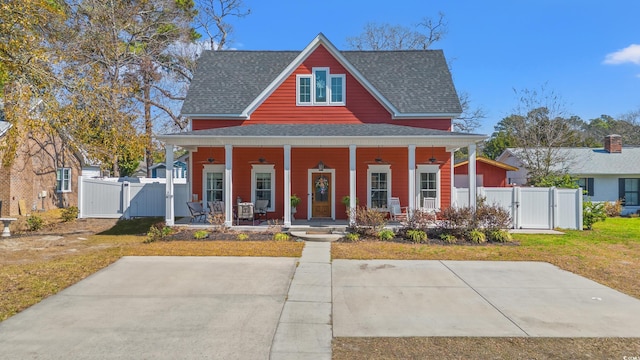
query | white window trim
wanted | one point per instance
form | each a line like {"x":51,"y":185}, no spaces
{"x":62,"y":189}
{"x":379,"y":169}
{"x":421,"y":169}
{"x":330,"y":76}
{"x":264,"y":169}
{"x":211,"y":169}
{"x":298,"y":102}
{"x":343,"y":95}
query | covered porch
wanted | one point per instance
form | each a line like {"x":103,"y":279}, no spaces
{"x":322,"y":164}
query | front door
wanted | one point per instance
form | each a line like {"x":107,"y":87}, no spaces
{"x":321,"y":198}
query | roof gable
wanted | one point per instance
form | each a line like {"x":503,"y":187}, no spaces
{"x":407,"y":83}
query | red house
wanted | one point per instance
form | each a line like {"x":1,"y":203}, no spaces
{"x":322,"y":124}
{"x":489,"y":173}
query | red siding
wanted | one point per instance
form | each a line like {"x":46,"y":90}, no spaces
{"x":303,"y":159}
{"x":361,"y":107}
{"x":492,"y":176}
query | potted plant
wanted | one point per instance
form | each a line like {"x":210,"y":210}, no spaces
{"x":295,"y":201}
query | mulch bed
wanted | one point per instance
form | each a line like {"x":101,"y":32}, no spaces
{"x":189,"y":235}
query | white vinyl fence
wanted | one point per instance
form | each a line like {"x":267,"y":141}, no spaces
{"x":110,"y":198}
{"x":531,"y":207}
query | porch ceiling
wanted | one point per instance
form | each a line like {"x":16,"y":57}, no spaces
{"x":326,"y":135}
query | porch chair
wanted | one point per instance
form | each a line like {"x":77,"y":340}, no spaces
{"x":216,"y":207}
{"x":396,"y":212}
{"x":245,"y":212}
{"x":197,"y":211}
{"x":429,"y":205}
{"x":261,"y":208}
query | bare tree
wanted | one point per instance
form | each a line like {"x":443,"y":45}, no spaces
{"x":540,"y":130}
{"x":377,"y":36}
{"x":212,"y":19}
{"x":469,"y":120}
{"x":429,"y":31}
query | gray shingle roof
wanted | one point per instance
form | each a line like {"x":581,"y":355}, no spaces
{"x":597,"y":161}
{"x":320,"y":130}
{"x":414,"y":82}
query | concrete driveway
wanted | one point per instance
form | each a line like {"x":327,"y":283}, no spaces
{"x":158,"y":308}
{"x":261,"y":308}
{"x":381,"y":298}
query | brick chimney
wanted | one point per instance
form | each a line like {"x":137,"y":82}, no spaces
{"x":613,"y":144}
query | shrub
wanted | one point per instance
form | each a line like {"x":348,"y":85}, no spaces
{"x":69,"y":214}
{"x":448,"y":238}
{"x":457,"y":221}
{"x":500,"y":236}
{"x":492,"y":217}
{"x":281,"y":237}
{"x":613,"y":209}
{"x":242,"y":237}
{"x":201,"y":234}
{"x":352,"y":237}
{"x":592,"y":213}
{"x":157,"y":231}
{"x":368,"y":221}
{"x":35,"y":223}
{"x":477,"y":236}
{"x":417,"y":236}
{"x":421,"y":220}
{"x":386,"y":235}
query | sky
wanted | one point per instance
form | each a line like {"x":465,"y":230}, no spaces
{"x":585,"y":51}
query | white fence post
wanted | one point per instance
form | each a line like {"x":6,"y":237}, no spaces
{"x":80,"y":197}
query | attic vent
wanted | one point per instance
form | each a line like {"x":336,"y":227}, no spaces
{"x":613,"y":144}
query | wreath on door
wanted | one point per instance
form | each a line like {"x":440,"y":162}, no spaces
{"x":322,"y":184}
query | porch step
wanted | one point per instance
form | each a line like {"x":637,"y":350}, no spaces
{"x":318,"y":234}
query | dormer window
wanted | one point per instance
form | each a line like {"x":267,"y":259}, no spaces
{"x":320,"y":88}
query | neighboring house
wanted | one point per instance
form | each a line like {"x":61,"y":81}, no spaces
{"x":322,"y":124}
{"x":489,"y":173}
{"x":179,"y":168}
{"x":41,"y":176}
{"x":606,"y":174}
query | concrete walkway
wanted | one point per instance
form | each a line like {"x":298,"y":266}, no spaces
{"x":304,"y":330}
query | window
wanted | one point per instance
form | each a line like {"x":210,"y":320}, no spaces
{"x":629,"y":190}
{"x":320,"y":88}
{"x":379,"y":184}
{"x":304,"y":89}
{"x":587,"y":185}
{"x":215,"y":186}
{"x":263,"y":185}
{"x":63,"y":180}
{"x":428,"y":178}
{"x":213,"y":183}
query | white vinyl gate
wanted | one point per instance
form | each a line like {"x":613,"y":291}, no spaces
{"x":532,"y":207}
{"x":98,"y":198}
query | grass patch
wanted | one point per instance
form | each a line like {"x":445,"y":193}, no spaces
{"x":132,"y":226}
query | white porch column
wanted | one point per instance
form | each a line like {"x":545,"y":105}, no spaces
{"x":228,"y":185}
{"x":287,"y":185}
{"x":169,"y":213}
{"x":352,"y":182}
{"x":412,"y":177}
{"x":472,"y":176}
